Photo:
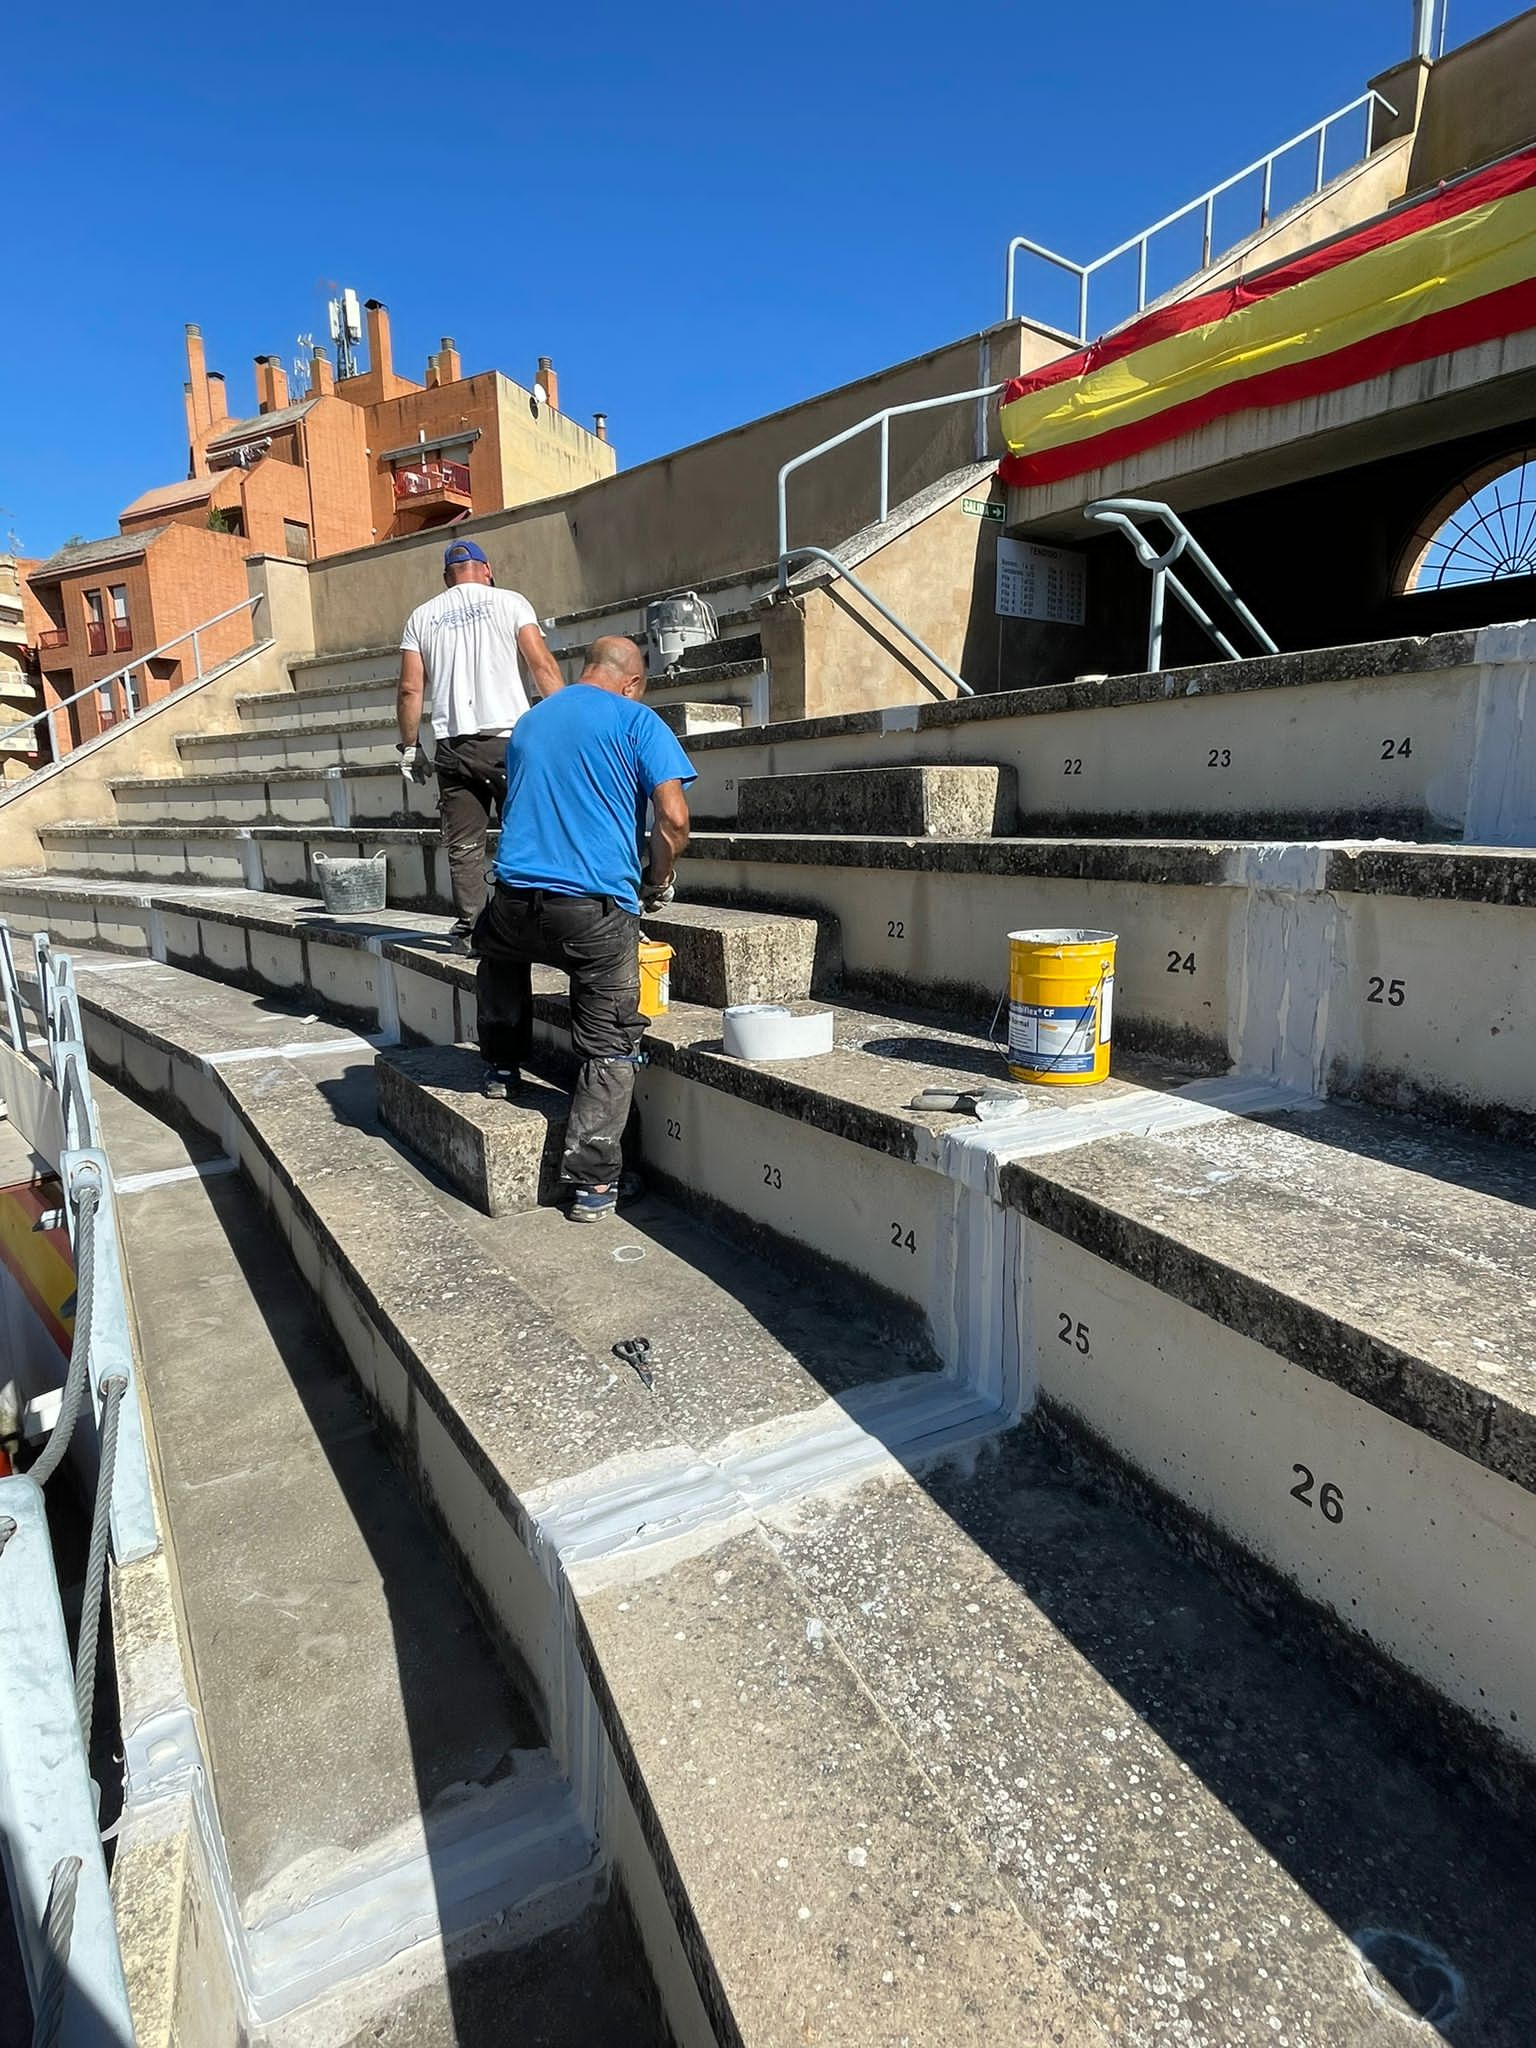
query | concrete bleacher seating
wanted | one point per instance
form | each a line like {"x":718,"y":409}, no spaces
{"x":1288,"y":1323}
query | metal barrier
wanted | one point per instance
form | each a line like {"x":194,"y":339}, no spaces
{"x":882,"y":420}
{"x":124,"y":675}
{"x":1205,"y":206}
{"x":1123,"y":514}
{"x":49,"y":1841}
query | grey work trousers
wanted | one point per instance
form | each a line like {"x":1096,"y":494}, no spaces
{"x":471,"y":783}
{"x":597,"y":942}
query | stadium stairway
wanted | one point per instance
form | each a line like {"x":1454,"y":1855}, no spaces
{"x":1128,"y":1645}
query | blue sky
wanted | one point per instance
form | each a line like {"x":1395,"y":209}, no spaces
{"x":700,"y":212}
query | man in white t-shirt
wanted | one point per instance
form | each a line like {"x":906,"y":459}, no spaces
{"x":469,"y":650}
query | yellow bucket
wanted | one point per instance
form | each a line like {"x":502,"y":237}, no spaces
{"x":1061,"y":1001}
{"x":655,"y":977}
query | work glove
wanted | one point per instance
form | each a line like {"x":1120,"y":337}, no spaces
{"x":657,"y":895}
{"x":415,"y":765}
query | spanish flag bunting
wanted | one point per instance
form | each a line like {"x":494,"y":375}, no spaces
{"x":1447,"y":272}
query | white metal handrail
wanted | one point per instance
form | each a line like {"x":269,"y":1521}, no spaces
{"x":962,"y":687}
{"x":882,"y":420}
{"x":50,"y":1847}
{"x":1122,"y":513}
{"x":125,"y":673}
{"x":1204,"y":205}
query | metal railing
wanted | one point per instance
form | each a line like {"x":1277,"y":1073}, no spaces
{"x":1262,"y":167}
{"x":423,"y":477}
{"x":962,"y":687}
{"x":882,"y":420}
{"x":124,"y":676}
{"x":50,"y":1844}
{"x":1123,"y":513}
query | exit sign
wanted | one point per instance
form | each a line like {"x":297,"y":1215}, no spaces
{"x":982,"y":508}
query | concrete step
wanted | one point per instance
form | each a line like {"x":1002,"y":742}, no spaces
{"x":928,"y":803}
{"x":371,"y":793}
{"x":317,"y":706}
{"x":742,"y":683}
{"x":354,"y":667}
{"x":286,"y":945}
{"x":348,"y":1843}
{"x":501,"y":1156}
{"x":1391,"y":974}
{"x":351,"y":740}
{"x":688,"y":718}
{"x":960,"y":1740}
{"x":1400,"y":739}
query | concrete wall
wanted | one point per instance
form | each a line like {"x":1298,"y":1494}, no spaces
{"x":706,"y":511}
{"x":1479,"y":103}
{"x":831,"y":652}
{"x":79,"y":786}
{"x":1369,"y":188}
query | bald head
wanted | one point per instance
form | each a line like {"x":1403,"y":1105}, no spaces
{"x":614,"y":663}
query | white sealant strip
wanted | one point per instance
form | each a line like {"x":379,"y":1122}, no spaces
{"x":169,"y":1176}
{"x":516,"y":1853}
{"x":657,"y":1501}
{"x":300,"y":1049}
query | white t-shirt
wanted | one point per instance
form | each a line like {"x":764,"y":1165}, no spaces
{"x":467,"y":640}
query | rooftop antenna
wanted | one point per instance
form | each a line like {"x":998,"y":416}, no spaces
{"x":346,"y":331}
{"x":303,"y":362}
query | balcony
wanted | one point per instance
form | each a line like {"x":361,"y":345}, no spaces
{"x":56,"y":636}
{"x":432,"y":480}
{"x":122,"y":635}
{"x":430,"y":493}
{"x":96,"y":636}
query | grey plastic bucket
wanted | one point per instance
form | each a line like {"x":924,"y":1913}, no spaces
{"x":351,"y":885}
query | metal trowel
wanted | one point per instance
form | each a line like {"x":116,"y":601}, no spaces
{"x":985,"y":1103}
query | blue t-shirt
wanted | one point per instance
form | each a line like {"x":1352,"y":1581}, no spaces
{"x":581,"y":766}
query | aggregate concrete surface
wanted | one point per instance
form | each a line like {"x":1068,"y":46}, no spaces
{"x":986,"y":1686}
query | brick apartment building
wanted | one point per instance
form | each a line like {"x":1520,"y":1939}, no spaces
{"x":344,"y":465}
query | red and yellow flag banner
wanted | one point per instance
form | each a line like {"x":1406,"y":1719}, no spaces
{"x":1454,"y":269}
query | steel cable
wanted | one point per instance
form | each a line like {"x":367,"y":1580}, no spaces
{"x":58,"y":1932}
{"x":112,"y":1392}
{"x":80,"y":1349}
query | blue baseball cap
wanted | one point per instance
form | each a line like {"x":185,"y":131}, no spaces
{"x":463,"y":551}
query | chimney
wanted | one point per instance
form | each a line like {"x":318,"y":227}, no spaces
{"x":550,"y":382}
{"x":196,"y":461}
{"x":218,"y":404}
{"x":321,"y":381}
{"x":380,"y":356}
{"x":600,"y":425}
{"x":271,"y":384}
{"x":450,"y":369}
{"x":197,"y":373}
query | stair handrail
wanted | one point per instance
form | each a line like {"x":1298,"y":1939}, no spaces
{"x":1205,"y":202}
{"x":50,"y":1842}
{"x":192,"y":633}
{"x":786,"y":556}
{"x":1122,"y":513}
{"x":882,"y":420}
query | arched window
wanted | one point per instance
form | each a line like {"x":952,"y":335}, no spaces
{"x":1481,"y":532}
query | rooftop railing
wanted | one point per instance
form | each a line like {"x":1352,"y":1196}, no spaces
{"x":1262,"y":168}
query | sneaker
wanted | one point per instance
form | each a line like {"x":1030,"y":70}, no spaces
{"x":500,"y":1084}
{"x":593,"y":1204}
{"x":461,"y":941}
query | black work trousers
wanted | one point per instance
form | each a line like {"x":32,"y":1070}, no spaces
{"x":597,"y":943}
{"x":471,"y":782}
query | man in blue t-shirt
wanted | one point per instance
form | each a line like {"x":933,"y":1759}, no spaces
{"x":581,"y":768}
